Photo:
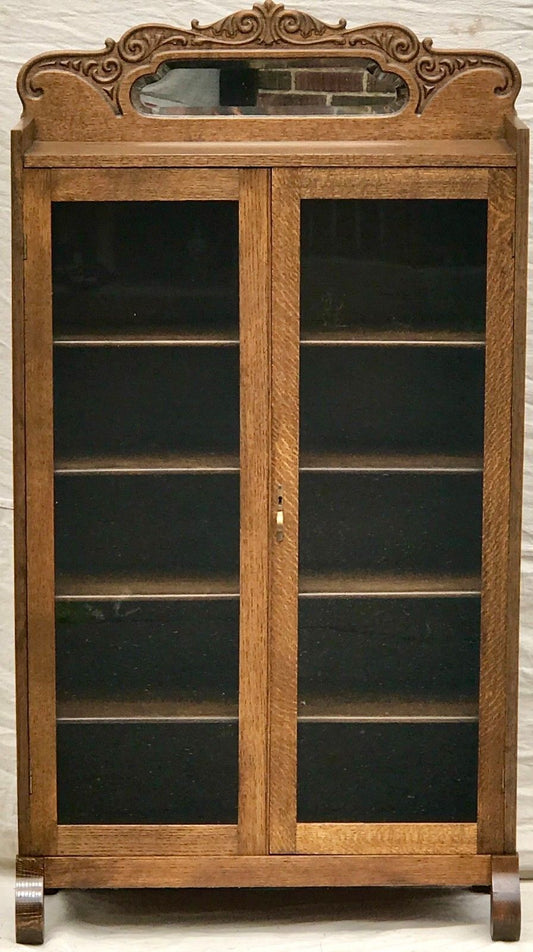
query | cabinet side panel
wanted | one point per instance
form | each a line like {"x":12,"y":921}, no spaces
{"x":20,"y":138}
{"x":285,"y":453}
{"x":496,"y":512}
{"x":518,"y":135}
{"x":255,"y":462}
{"x":40,"y":510}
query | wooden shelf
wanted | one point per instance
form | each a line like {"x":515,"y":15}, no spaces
{"x":309,"y":462}
{"x":406,"y":153}
{"x":148,"y":337}
{"x":316,"y":710}
{"x":327,"y":710}
{"x":386,"y":586}
{"x":118,"y":589}
{"x":184,"y":711}
{"x":203,"y":463}
{"x":346,"y":462}
{"x":360,"y":337}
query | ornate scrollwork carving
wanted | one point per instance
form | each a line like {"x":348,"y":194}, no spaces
{"x":102,"y":69}
{"x":436,"y":68}
{"x":269,"y":24}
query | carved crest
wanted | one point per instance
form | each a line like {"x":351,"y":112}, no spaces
{"x":270,"y":25}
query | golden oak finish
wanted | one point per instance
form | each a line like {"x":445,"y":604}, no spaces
{"x":82,"y":139}
{"x":496,"y":515}
{"x":462,"y":153}
{"x":518,"y":135}
{"x":148,"y":839}
{"x":80,"y":95}
{"x":407,"y":183}
{"x":505,"y":899}
{"x":29,"y":900}
{"x":21,"y":139}
{"x":255,"y":296}
{"x":284,"y":487}
{"x":255,"y":508}
{"x":112,"y":872}
{"x":498,"y":188}
{"x":402,"y":839}
{"x":40,"y":510}
{"x":159,"y":185}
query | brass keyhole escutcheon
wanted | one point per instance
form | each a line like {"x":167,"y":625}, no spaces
{"x":279,"y":516}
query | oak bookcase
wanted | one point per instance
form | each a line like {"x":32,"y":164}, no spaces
{"x":269,"y":377}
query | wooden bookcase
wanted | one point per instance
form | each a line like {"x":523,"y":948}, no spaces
{"x":269,"y":383}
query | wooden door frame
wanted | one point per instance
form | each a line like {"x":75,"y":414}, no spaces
{"x":39,"y":832}
{"x":498,"y":677}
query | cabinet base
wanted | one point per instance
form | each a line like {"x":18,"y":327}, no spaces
{"x":193,"y":871}
{"x":505,"y":899}
{"x":29,"y":900}
{"x":498,"y":873}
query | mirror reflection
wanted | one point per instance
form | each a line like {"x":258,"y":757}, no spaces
{"x":318,"y":86}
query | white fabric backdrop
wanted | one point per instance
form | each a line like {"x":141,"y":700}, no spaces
{"x":29,"y":27}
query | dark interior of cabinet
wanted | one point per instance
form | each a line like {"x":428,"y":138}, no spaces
{"x":147,"y":526}
{"x":422,"y":649}
{"x":393,"y":265}
{"x":146,"y":402}
{"x":146,"y":439}
{"x":149,"y":401}
{"x":391,"y":523}
{"x":391,"y":400}
{"x":145,"y":267}
{"x":392,"y":363}
{"x":147,"y":772}
{"x":387,"y":772}
{"x":153,"y":650}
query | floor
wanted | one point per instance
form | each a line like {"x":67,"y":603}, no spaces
{"x":399,"y":920}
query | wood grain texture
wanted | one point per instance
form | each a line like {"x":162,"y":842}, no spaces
{"x":496,"y":512}
{"x":518,"y":135}
{"x":76,"y":94}
{"x":433,"y":152}
{"x":29,"y":900}
{"x":405,"y":183}
{"x":505,"y":899}
{"x":462,"y":143}
{"x":111,"y":872}
{"x":255,"y":303}
{"x":40,"y":509}
{"x":387,"y":838}
{"x":21,"y":138}
{"x":284,"y":551}
{"x":136,"y":840}
{"x":159,"y":185}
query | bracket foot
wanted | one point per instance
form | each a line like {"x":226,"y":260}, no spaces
{"x":29,"y":900}
{"x":505,"y":899}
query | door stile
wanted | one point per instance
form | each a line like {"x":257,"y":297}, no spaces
{"x":284,"y":491}
{"x":494,"y":687}
{"x":40,"y":511}
{"x":255,"y":306}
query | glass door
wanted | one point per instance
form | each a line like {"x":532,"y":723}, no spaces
{"x":380,"y":321}
{"x":154,"y":335}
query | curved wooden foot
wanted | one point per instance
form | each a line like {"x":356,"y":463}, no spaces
{"x":29,"y":900}
{"x":505,"y":899}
